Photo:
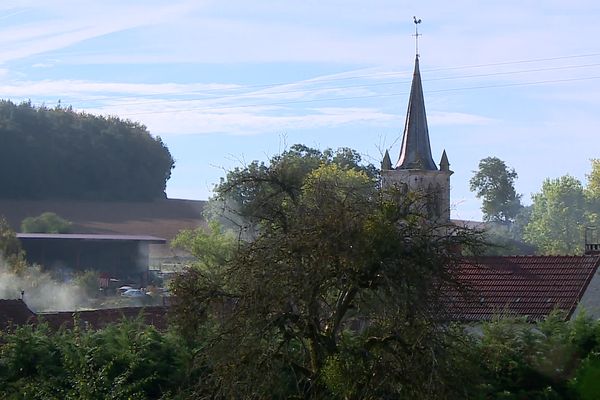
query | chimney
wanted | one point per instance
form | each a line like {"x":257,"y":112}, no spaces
{"x":592,"y":244}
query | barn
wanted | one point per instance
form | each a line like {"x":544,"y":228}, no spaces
{"x":120,"y":256}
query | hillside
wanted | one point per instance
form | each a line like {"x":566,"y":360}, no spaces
{"x":162,"y":218}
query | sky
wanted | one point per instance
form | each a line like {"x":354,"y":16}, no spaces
{"x":224,"y":83}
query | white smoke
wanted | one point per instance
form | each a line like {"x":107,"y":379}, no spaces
{"x":40,"y":291}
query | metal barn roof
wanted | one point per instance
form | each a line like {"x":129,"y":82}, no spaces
{"x":90,"y":236}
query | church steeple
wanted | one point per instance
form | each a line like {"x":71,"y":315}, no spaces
{"x":416,"y":150}
{"x":416,"y":171}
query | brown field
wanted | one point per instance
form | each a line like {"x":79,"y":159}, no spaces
{"x":163,"y":218}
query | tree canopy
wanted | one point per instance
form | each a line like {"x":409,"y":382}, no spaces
{"x":257,"y":191}
{"x":336,"y":294}
{"x":494,"y":182}
{"x":592,"y":191}
{"x":558,"y":217}
{"x":47,"y":222}
{"x":593,"y":186}
{"x":59,"y":153}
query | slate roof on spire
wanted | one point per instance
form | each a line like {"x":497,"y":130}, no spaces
{"x":386,"y":164}
{"x":416,"y":150}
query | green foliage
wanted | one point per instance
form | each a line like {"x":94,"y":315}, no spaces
{"x":553,"y":359}
{"x":340,"y":283}
{"x":252,"y":194}
{"x":59,"y":153}
{"x":587,"y":382}
{"x":11,"y":254}
{"x":88,"y":281}
{"x":494,"y":183}
{"x":123,"y":361}
{"x":593,"y":186}
{"x":558,"y":217}
{"x":510,"y":359}
{"x":47,"y":222}
{"x":592,"y":192}
{"x":212,"y":247}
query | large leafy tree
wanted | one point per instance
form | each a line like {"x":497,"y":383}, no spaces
{"x":493,"y":182}
{"x":558,"y":217}
{"x":337,"y":295}
{"x":256,"y":192}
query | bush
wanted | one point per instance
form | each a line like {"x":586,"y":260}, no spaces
{"x":127,"y":360}
{"x":47,"y":222}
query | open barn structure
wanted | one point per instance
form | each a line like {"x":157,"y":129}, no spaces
{"x":119,"y":256}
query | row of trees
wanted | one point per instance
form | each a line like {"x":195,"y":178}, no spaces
{"x":510,"y":360}
{"x":557,"y":219}
{"x":59,"y":153}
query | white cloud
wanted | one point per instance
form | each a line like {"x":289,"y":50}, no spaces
{"x":70,"y":22}
{"x":250,"y":121}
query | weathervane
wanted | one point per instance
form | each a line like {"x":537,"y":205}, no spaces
{"x":416,"y":35}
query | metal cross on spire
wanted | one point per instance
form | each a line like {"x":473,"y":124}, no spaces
{"x":417,"y":34}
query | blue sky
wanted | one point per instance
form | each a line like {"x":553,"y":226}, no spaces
{"x":227,"y":82}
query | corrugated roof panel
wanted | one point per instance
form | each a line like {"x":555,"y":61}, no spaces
{"x":90,"y":236}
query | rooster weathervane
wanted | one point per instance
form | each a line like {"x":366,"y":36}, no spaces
{"x":416,"y":35}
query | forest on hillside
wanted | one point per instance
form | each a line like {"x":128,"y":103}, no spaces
{"x":58,"y":153}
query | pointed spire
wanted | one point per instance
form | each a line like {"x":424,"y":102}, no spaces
{"x":416,"y":150}
{"x":444,"y":164}
{"x":386,"y":164}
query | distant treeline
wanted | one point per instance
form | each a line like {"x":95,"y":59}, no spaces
{"x":62,"y":154}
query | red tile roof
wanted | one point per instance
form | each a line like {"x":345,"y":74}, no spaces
{"x":529,"y":286}
{"x":16,"y":312}
{"x":98,"y":319}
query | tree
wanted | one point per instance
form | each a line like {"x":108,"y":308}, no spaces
{"x":558,"y":217}
{"x":11,"y":253}
{"x":593,"y":186}
{"x":47,"y":222}
{"x":494,"y":183}
{"x":257,"y":191}
{"x":592,"y":191}
{"x":337,"y":295}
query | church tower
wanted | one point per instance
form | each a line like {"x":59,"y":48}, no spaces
{"x":415,"y":170}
